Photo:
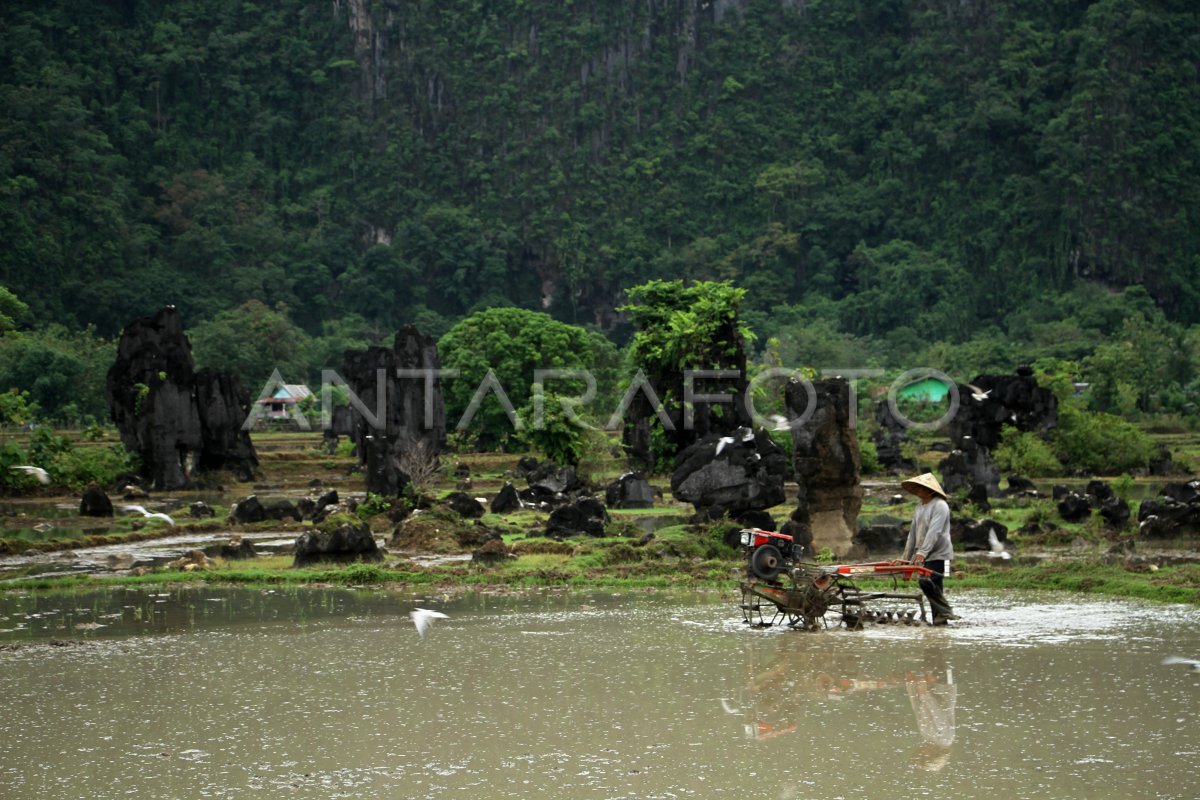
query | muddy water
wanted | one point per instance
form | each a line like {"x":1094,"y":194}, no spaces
{"x":323,"y":694}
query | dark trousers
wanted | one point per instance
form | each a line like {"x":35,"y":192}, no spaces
{"x":932,"y":587}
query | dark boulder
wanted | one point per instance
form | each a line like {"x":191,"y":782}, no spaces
{"x":176,"y":419}
{"x":1018,"y":484}
{"x":329,"y":498}
{"x":889,"y":439}
{"x":405,"y":420}
{"x":200,"y":510}
{"x":526,"y":465}
{"x":269,"y":507}
{"x":1099,"y":492}
{"x":224,"y":405}
{"x":506,"y":500}
{"x":1166,"y":517}
{"x":586,"y":516}
{"x":280,"y":508}
{"x":973,"y":535}
{"x":978,"y":497}
{"x":1162,"y":463}
{"x":1115,"y":512}
{"x":1183,"y":492}
{"x":630,"y":490}
{"x":1074,"y":507}
{"x":464,"y":505}
{"x":235,"y":549}
{"x":128,"y":482}
{"x":881,"y":539}
{"x":247,"y":510}
{"x":551,"y":479}
{"x":95,"y":502}
{"x":381,"y":465}
{"x":727,"y":475}
{"x":826,"y":463}
{"x":341,"y":539}
{"x":340,"y":423}
{"x":151,"y":394}
{"x":990,"y":402}
{"x":969,"y":466}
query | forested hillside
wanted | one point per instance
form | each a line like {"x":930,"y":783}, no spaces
{"x":878,"y":176}
{"x":417,"y":160}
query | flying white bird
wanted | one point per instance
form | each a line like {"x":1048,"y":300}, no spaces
{"x":423,"y":618}
{"x":1191,"y":662}
{"x":780,"y":422}
{"x":150,"y":514}
{"x":36,"y":472}
{"x":722,"y":442}
{"x":978,"y":394}
{"x":996,"y":547}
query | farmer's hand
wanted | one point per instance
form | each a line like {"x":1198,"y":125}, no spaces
{"x":919,"y":558}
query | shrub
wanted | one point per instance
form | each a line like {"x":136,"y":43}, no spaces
{"x":1098,"y":442}
{"x":1026,"y":454}
{"x":867,"y":454}
{"x":553,"y":433}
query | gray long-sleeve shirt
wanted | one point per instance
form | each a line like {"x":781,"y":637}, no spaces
{"x":930,"y":532}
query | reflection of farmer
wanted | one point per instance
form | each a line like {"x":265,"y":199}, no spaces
{"x":929,"y":541}
{"x":933,"y":703}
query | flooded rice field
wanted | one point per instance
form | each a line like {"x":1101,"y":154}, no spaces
{"x":323,"y":694}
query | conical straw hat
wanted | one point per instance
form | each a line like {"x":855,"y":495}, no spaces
{"x":927,"y":480}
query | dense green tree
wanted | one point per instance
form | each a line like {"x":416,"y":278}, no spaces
{"x":498,"y":353}
{"x":12,"y":310}
{"x":62,"y":371}
{"x":252,"y":341}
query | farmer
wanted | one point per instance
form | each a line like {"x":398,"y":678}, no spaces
{"x":928,"y":542}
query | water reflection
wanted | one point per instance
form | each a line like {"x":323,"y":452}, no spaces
{"x":781,"y":695}
{"x":202,"y":692}
{"x":933,"y":695}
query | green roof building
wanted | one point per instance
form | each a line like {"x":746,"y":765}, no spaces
{"x":926,"y":389}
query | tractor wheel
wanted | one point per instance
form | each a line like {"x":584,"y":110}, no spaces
{"x":766,"y":562}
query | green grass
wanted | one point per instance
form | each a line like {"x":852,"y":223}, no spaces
{"x":609,"y":564}
{"x":678,"y":555}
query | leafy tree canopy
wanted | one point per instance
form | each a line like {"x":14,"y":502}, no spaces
{"x":512,"y":344}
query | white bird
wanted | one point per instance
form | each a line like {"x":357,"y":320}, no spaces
{"x":1191,"y":662}
{"x":36,"y":472}
{"x":423,"y":618}
{"x":722,"y":442}
{"x":978,"y":394}
{"x":996,"y":547}
{"x":150,"y":514}
{"x":780,"y":422}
